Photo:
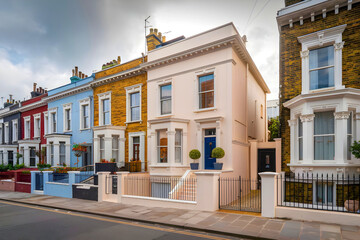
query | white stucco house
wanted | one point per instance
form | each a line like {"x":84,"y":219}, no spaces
{"x":204,"y":91}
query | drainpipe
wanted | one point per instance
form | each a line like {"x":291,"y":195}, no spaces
{"x":247,"y":118}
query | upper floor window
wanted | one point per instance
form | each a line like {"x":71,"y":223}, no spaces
{"x":53,"y":122}
{"x":6,"y":132}
{"x":133,"y":103}
{"x":104,"y":108}
{"x":15,"y":130}
{"x":37,"y":125}
{"x":106,"y":111}
{"x":67,"y":117}
{"x":27,"y":127}
{"x":321,"y":66}
{"x":165,"y":99}
{"x":324,"y":136}
{"x":206,"y":91}
{"x":86,"y":116}
{"x":321,"y":54}
{"x":46,"y":122}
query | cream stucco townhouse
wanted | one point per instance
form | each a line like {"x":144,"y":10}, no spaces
{"x":206,"y":92}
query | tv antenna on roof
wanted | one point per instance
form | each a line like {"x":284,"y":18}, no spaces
{"x":146,"y":21}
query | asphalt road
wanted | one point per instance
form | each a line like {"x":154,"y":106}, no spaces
{"x":20,"y":221}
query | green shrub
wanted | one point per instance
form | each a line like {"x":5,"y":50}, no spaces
{"x":19,"y":166}
{"x":194,"y":154}
{"x":218,"y":152}
{"x":43,"y":165}
{"x":3,"y":168}
{"x":355,"y":149}
{"x":10,"y":167}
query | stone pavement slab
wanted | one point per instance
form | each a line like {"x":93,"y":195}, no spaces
{"x":233,"y":224}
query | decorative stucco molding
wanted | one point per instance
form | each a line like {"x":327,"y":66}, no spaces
{"x":292,"y":122}
{"x":307,"y":118}
{"x":339,"y":46}
{"x":341,"y":115}
{"x":304,"y":54}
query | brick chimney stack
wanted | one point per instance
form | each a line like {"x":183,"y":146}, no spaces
{"x":154,"y":38}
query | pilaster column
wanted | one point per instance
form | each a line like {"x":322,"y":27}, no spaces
{"x":218,"y":133}
{"x":108,"y":148}
{"x":152,"y":149}
{"x":185,"y":160}
{"x":308,"y":137}
{"x":357,"y":127}
{"x":121,"y":184}
{"x":68,"y":155}
{"x":122,"y":150}
{"x":338,"y":65}
{"x":96,"y":146}
{"x":171,"y":147}
{"x":56,"y":154}
{"x":292,"y":125}
{"x":341,"y":150}
{"x":305,"y":71}
{"x":198,"y":145}
{"x":5,"y":157}
{"x":26,"y":156}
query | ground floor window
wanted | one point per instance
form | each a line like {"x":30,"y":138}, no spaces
{"x":178,"y":146}
{"x":324,"y":193}
{"x":324,"y":136}
{"x":162,"y":145}
{"x":1,"y":157}
{"x":52,"y":154}
{"x":115,"y":147}
{"x":62,"y":154}
{"x":11,"y":157}
{"x":102,"y":147}
{"x":32,"y":157}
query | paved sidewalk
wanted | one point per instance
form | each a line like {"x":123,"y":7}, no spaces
{"x":217,"y":222}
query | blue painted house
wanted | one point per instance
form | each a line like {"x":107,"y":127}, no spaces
{"x":69,"y":120}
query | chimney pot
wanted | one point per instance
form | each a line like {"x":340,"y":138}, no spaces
{"x":80,"y":73}
{"x":73,"y":72}
{"x":163,"y":39}
{"x":76,"y":71}
{"x":151,"y":30}
{"x":34,"y":87}
{"x":119,"y":60}
{"x":159,"y":35}
{"x":155,"y":31}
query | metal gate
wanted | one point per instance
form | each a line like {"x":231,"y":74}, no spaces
{"x":240,"y":194}
{"x":39,"y":181}
{"x":111,"y":184}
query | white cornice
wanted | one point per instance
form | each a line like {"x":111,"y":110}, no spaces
{"x":307,"y":8}
{"x":346,"y":92}
{"x":163,"y":120}
{"x":234,"y":41}
{"x":118,"y":76}
{"x":68,"y":92}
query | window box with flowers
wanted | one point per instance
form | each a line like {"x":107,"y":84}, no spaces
{"x":105,"y":166}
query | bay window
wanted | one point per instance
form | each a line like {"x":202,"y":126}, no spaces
{"x":62,"y":152}
{"x":102,"y":147}
{"x":324,"y":136}
{"x":349,"y":135}
{"x":300,"y":139}
{"x":115,"y":147}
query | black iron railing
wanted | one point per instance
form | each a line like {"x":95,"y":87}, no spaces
{"x":176,"y":188}
{"x":59,"y":177}
{"x":340,"y":193}
{"x":240,"y":194}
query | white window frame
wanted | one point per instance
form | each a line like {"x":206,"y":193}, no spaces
{"x":102,"y":150}
{"x":82,"y":103}
{"x":171,"y":98}
{"x":102,"y":97}
{"x":130,"y":90}
{"x":60,"y":154}
{"x":46,"y":122}
{"x":6,"y":132}
{"x":51,"y":125}
{"x":66,"y":127}
{"x":141,"y":136}
{"x":179,"y":146}
{"x":15,"y":130}
{"x":37,"y":125}
{"x":324,"y":135}
{"x":352,"y":125}
{"x":318,"y":40}
{"x":158,"y":146}
{"x":197,"y":75}
{"x":27,"y":127}
{"x":117,"y":147}
{"x":300,"y":138}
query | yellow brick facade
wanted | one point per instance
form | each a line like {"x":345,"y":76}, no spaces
{"x":290,"y":61}
{"x":118,"y":101}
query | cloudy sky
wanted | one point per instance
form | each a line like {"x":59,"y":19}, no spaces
{"x":42,"y":40}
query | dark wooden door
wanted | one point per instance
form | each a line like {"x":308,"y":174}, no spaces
{"x":266,"y":160}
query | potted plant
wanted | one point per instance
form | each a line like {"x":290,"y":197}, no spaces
{"x":194,"y":155}
{"x":218,"y":153}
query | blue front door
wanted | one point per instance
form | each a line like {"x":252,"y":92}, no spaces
{"x":210,"y":144}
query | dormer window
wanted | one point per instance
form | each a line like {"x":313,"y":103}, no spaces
{"x":321,"y":64}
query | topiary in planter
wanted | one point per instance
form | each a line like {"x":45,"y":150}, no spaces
{"x":355,"y":149}
{"x":194,"y":155}
{"x":218,"y":153}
